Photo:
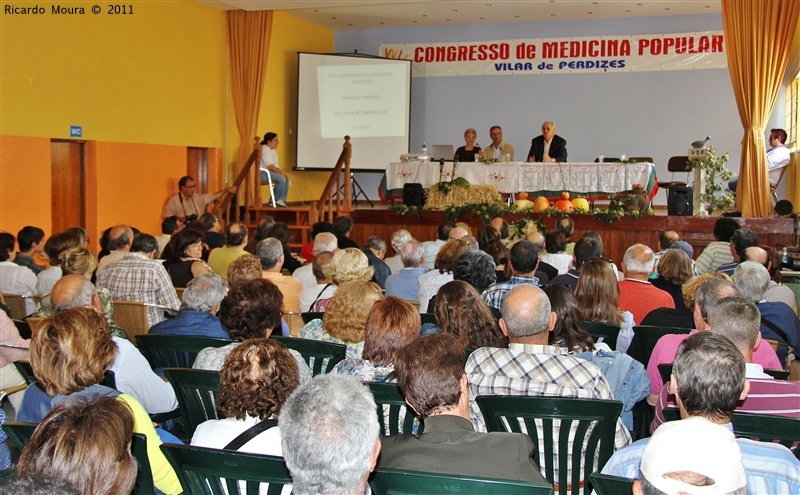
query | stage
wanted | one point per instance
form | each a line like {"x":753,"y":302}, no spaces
{"x":617,"y":236}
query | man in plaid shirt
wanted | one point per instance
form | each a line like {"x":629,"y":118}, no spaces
{"x":524,"y":259}
{"x":531,"y":367}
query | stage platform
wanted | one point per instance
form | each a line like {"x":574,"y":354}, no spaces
{"x":617,"y":237}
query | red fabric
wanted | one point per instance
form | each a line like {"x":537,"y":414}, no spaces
{"x":640,"y":298}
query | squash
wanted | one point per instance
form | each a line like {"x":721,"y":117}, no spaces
{"x":541,"y":204}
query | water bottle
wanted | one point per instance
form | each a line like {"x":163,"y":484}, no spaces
{"x":424,"y":148}
{"x":601,"y":158}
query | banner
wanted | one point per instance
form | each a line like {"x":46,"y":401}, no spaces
{"x":633,"y":53}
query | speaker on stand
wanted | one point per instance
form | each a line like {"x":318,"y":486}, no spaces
{"x":679,"y":202}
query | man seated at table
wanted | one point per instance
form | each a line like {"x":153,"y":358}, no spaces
{"x":548,"y":147}
{"x":499,"y":149}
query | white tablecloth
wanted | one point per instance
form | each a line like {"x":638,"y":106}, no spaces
{"x":512,"y":177}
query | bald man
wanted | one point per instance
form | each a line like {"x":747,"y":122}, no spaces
{"x":120,"y":239}
{"x":636,"y":293}
{"x":545,"y":268}
{"x":548,"y":147}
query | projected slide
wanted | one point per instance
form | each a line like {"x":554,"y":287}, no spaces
{"x":366,"y":98}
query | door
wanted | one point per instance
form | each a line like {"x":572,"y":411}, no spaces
{"x":197,"y":167}
{"x":68,"y":194}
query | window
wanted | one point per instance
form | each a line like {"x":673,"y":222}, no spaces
{"x":792,"y":115}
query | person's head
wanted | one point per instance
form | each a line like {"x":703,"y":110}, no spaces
{"x":568,"y":332}
{"x":773,"y":263}
{"x":74,"y":291}
{"x":675,"y":267}
{"x":38,"y":484}
{"x":707,"y":297}
{"x":377,"y":245}
{"x":496,"y":134}
{"x":169,"y":225}
{"x":270,"y":252}
{"x":537,"y":239}
{"x":443,"y":231}
{"x":236,"y":234}
{"x":592,"y":234}
{"x":737,"y":319}
{"x":120,"y":238}
{"x":412,"y":254}
{"x":460,"y":312}
{"x":145,"y":244}
{"x":597,"y":292}
{"x":724,"y":228}
{"x":690,"y":287}
{"x":501,"y":226}
{"x":325,"y":241}
{"x":752,"y":280}
{"x":476,"y":268}
{"x":264,"y":225}
{"x":348,"y":265}
{"x":555,"y":241}
{"x":329,"y":432}
{"x":252,"y":309}
{"x":399,"y":238}
{"x":79,"y":261}
{"x":548,"y":130}
{"x":243,"y":268}
{"x":430,"y":374}
{"x":346,"y":316}
{"x":187,"y":186}
{"x":666,"y":238}
{"x":683,"y":246}
{"x":524,"y":258}
{"x":757,"y":254}
{"x":693,"y":455}
{"x":82,"y":233}
{"x":391,"y":324}
{"x":527,"y":316}
{"x":256,"y":379}
{"x":71,"y":351}
{"x":204,"y":293}
{"x":470,"y":135}
{"x":566,"y":226}
{"x":586,"y":248}
{"x":638,"y":260}
{"x":320,"y":227}
{"x":29,"y":238}
{"x":458,"y":233}
{"x":210,"y":222}
{"x":742,"y":239}
{"x":321,"y":260}
{"x":777,"y":137}
{"x":270,"y":140}
{"x":488,"y":236}
{"x":448,"y":254}
{"x":85,"y":442}
{"x":342,"y":226}
{"x":58,"y":243}
{"x":281,"y":232}
{"x":188,"y":244}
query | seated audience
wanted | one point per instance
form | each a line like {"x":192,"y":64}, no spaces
{"x":431,"y":248}
{"x":500,"y":225}
{"x":546,"y":272}
{"x":307,"y":250}
{"x":391,"y":324}
{"x":399,"y":238}
{"x":584,"y":249}
{"x":771,"y":259}
{"x":523,"y":259}
{"x":461,"y":313}
{"x":430,"y":282}
{"x":54,"y":248}
{"x":405,"y":284}
{"x":345,"y":319}
{"x":347,"y":265}
{"x":740,"y":240}
{"x":566,"y":226}
{"x":198,"y":314}
{"x":568,"y":334}
{"x":636,"y":294}
{"x":329,"y":431}
{"x":556,"y":254}
{"x":282,"y":232}
{"x":674,"y":270}
{"x":119,"y":242}
{"x":598,"y":296}
{"x":244,"y":268}
{"x":260,"y":234}
{"x":666,"y":238}
{"x":15,"y":279}
{"x":271,"y":253}
{"x":185,"y":262}
{"x":14,"y":348}
{"x":69,"y":354}
{"x":235,"y":241}
{"x":375,"y":249}
{"x":324,"y":241}
{"x":214,"y":236}
{"x":323,"y":287}
{"x":31,"y":243}
{"x":430,"y":374}
{"x":36,"y":484}
{"x":489,"y":243}
{"x":718,"y":252}
{"x":85,"y":442}
{"x":683,"y":316}
{"x":169,"y":227}
{"x":475,"y":268}
{"x":342,"y":228}
{"x":251,"y":310}
{"x":708,"y":379}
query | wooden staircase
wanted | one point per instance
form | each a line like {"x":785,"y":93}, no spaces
{"x":250,"y":208}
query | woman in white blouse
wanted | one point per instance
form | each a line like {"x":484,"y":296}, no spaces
{"x":270,"y":169}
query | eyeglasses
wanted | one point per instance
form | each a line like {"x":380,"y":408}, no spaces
{"x":191,"y":187}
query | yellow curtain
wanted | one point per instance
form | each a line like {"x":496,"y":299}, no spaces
{"x":792,"y":179}
{"x":248,"y":41}
{"x":758,"y":34}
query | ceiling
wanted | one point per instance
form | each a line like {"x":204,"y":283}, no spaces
{"x":371,"y":14}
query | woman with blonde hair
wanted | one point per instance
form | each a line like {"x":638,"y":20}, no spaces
{"x":597,"y":294}
{"x":674,"y":270}
{"x":347,"y":265}
{"x":470,"y":152}
{"x":345,"y":320}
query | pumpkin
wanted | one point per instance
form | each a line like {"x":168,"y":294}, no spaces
{"x":541,"y":204}
{"x":523,"y":204}
{"x":564,"y":204}
{"x":581,"y":204}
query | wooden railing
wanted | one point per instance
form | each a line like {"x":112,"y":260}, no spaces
{"x":246,"y":182}
{"x":326,"y":206}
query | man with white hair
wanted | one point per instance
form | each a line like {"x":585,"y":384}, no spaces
{"x":270,"y":252}
{"x":776,"y":292}
{"x":399,"y":238}
{"x":431,"y":248}
{"x":778,"y":321}
{"x":636,"y":293}
{"x":375,"y":249}
{"x":198,"y":314}
{"x":324,"y":241}
{"x":405,"y":284}
{"x":330,"y":436}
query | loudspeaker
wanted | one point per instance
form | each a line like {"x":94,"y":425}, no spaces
{"x":679,"y":202}
{"x":413,"y":195}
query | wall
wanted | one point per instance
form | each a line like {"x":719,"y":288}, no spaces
{"x":654,"y":114}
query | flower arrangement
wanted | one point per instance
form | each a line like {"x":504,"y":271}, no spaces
{"x":715,"y":195}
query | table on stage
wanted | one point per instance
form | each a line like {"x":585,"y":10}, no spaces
{"x":592,"y":179}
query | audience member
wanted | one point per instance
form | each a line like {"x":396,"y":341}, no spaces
{"x":271,"y":254}
{"x":345,"y":319}
{"x":137,"y":277}
{"x":740,"y":240}
{"x":169,"y":227}
{"x":120,"y":239}
{"x":584,"y":249}
{"x":244,"y":268}
{"x":16,"y":350}
{"x":214,"y":236}
{"x":282,"y":232}
{"x":324,"y":241}
{"x":431,"y":248}
{"x":53,"y":248}
{"x":718,"y":253}
{"x":185,"y":261}
{"x":260,"y":234}
{"x":31,"y":243}
{"x":556,"y":254}
{"x":771,"y":259}
{"x":674,"y":270}
{"x":489,"y":243}
{"x":323,"y":287}
{"x":599,"y":298}
{"x":375,"y":249}
{"x":475,"y":268}
{"x":405,"y":284}
{"x":235,"y":241}
{"x":430,"y":282}
{"x":399,"y":238}
{"x":14,"y":278}
{"x":568,"y":333}
{"x":198,"y":314}
{"x":187,"y":204}
{"x":665,"y":239}
{"x":37,"y":484}
{"x":523,"y":259}
{"x":546,"y":272}
{"x":636,"y":293}
{"x":347,"y":265}
{"x":329,"y":431}
{"x":458,"y":233}
{"x":430,"y":374}
{"x":566,"y":226}
{"x":683,"y":316}
{"x":307,"y":250}
{"x":501,"y":226}
{"x":461,"y":313}
{"x":342,"y":228}
{"x":391,"y":324}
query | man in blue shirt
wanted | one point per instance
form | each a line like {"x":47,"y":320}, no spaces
{"x":198,"y":314}
{"x":405,"y":284}
{"x":524,"y":259}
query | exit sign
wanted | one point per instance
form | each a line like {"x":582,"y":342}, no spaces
{"x":75,"y":131}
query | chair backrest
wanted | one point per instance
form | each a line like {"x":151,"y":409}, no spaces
{"x":179,"y":292}
{"x":195,"y":390}
{"x":311,"y":315}
{"x":321,"y":356}
{"x":19,"y":433}
{"x":175,"y":351}
{"x":204,"y":471}
{"x":393,"y":414}
{"x":131,"y":317}
{"x":33,"y":323}
{"x":605,"y":484}
{"x":645,"y":338}
{"x":678,"y":164}
{"x":401,"y":482}
{"x":665,"y":370}
{"x":588,"y":435}
{"x":16,"y":305}
{"x":427,"y":318}
{"x":603,"y":332}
